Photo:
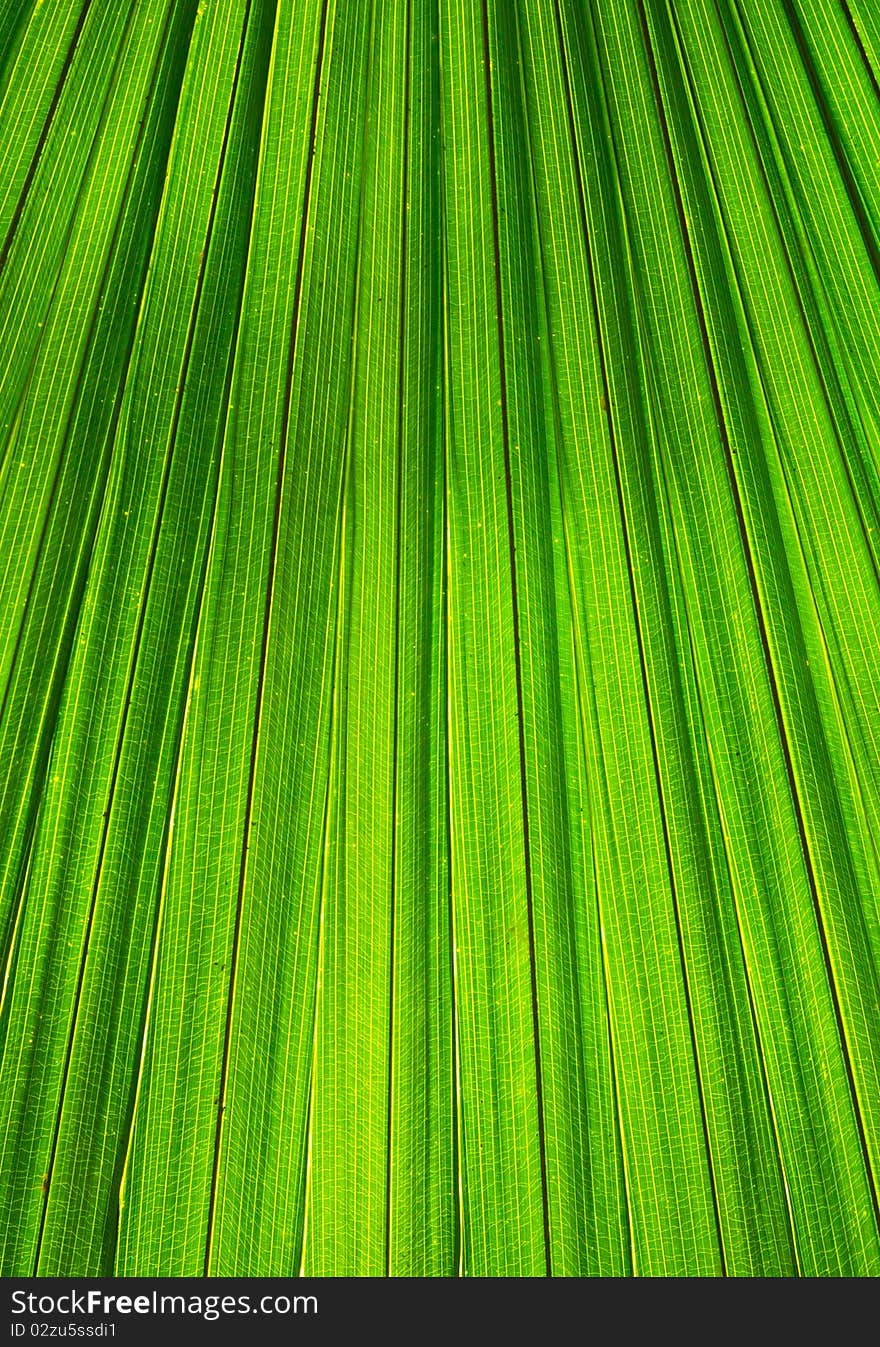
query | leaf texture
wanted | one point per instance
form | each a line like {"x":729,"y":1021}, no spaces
{"x":439,"y":614}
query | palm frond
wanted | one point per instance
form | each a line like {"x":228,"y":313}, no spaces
{"x":439,"y":615}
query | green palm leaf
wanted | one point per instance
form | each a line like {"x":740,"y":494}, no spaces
{"x":439,"y":615}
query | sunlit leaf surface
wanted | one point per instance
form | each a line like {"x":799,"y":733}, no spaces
{"x":440,"y":637}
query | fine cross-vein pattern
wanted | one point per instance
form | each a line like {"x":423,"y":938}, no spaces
{"x":440,"y":638}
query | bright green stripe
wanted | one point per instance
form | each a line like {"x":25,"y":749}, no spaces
{"x":54,"y":383}
{"x":44,"y":633}
{"x":349,"y":1135}
{"x":607,"y":1245}
{"x":274,"y":1002}
{"x":200,"y":251}
{"x":727,"y":602}
{"x":79,"y":861}
{"x":843,"y":87}
{"x":825,"y":195}
{"x":167,"y":1188}
{"x":562,"y":1065}
{"x":422,"y":1197}
{"x":834,"y":488}
{"x":746,"y":1189}
{"x":840,"y":581}
{"x":36,"y":51}
{"x":660,"y":1093}
{"x":839,"y":337}
{"x":501,"y":1178}
{"x":187,"y":1079}
{"x":13,"y":23}
{"x":866,"y":27}
{"x":522,"y":1145}
{"x":787,"y":1023}
{"x":51,"y":237}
